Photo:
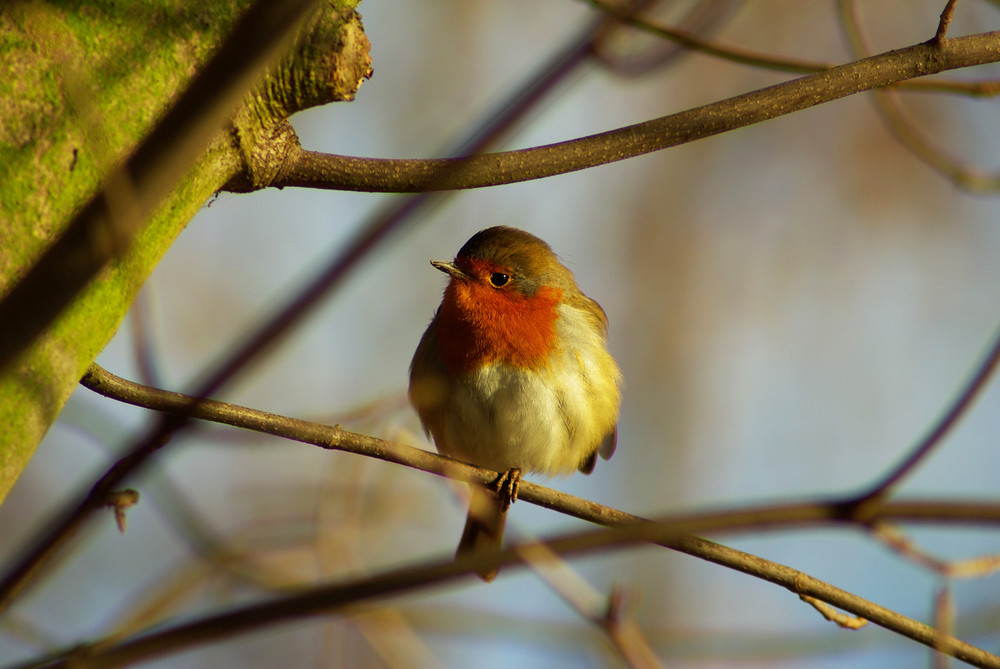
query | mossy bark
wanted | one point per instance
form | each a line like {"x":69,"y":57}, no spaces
{"x":80,"y":84}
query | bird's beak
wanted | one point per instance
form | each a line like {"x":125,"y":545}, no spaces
{"x":450,"y":268}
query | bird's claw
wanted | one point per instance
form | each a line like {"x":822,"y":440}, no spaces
{"x":506,"y":487}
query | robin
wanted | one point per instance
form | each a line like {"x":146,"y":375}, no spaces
{"x":513,"y":373}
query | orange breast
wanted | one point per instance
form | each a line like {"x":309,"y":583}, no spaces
{"x":479,"y":324}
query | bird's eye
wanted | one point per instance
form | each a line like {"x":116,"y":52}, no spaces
{"x":499,"y":279}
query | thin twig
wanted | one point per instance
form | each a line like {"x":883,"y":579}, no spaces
{"x":905,"y":128}
{"x":896,"y":540}
{"x":704,"y":17}
{"x":698,"y":44}
{"x":611,"y":613}
{"x":968,"y":393}
{"x":763,"y":60}
{"x":833,"y":615}
{"x":946,"y":15}
{"x":944,"y":620}
{"x":142,"y":336}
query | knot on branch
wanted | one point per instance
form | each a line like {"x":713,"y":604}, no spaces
{"x":329,"y":62}
{"x":263,"y":153}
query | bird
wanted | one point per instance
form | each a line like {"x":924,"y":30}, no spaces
{"x":514,"y":374}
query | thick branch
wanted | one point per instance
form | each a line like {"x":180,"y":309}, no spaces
{"x":320,"y":170}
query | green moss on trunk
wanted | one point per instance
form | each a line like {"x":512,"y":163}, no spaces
{"x":80,"y":84}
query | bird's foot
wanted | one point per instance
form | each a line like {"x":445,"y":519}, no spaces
{"x":506,"y":487}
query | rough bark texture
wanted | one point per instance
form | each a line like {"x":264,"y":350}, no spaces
{"x":80,"y":84}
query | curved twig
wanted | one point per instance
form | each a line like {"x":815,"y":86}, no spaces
{"x":970,"y":390}
{"x":896,"y":118}
{"x":763,"y":60}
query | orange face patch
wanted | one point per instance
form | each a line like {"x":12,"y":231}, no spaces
{"x":483,"y":324}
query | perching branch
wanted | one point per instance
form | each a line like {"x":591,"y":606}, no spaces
{"x":856,"y":510}
{"x":676,"y":532}
{"x":310,"y":169}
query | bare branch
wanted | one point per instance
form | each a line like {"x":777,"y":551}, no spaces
{"x":759,"y":59}
{"x":946,"y":15}
{"x":613,"y":613}
{"x":697,"y":44}
{"x":944,"y":619}
{"x":327,"y":599}
{"x":310,"y":169}
{"x":706,"y":16}
{"x":975,"y":567}
{"x":852,"y":510}
{"x":619,"y":621}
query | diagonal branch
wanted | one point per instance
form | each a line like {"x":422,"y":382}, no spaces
{"x":853,"y":510}
{"x":309,"y":169}
{"x":980,"y":375}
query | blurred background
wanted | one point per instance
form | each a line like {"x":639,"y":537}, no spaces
{"x":792,"y":304}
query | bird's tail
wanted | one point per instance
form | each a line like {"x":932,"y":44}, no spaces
{"x":483,"y":528}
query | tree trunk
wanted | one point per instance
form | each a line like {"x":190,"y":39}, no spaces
{"x":80,"y":85}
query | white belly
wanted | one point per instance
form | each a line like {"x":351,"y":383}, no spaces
{"x":548,"y":420}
